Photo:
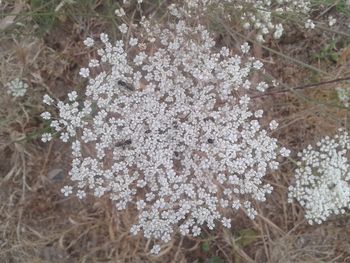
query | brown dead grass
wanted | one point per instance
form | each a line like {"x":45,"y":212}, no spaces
{"x":39,"y":225}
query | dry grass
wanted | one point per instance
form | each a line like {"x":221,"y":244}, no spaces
{"x":39,"y":225}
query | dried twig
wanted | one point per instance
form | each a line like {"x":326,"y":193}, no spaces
{"x":311,"y":85}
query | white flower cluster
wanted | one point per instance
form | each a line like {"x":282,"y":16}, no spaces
{"x":166,"y":127}
{"x":17,"y":88}
{"x":343,"y":95}
{"x":258,"y":15}
{"x":309,"y":24}
{"x":322,"y":184}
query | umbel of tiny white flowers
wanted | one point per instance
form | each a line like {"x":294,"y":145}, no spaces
{"x":322,"y":180}
{"x":255,"y":15}
{"x":164,"y":130}
{"x":17,"y":88}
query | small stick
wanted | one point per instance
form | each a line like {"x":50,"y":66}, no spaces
{"x":301,"y":87}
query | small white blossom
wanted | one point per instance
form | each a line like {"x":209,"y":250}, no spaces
{"x":67,"y":190}
{"x":226,"y":222}
{"x":309,"y":24}
{"x":80,"y":194}
{"x":273,"y":125}
{"x":72,"y":96}
{"x":155,"y":249}
{"x":343,"y":95}
{"x":123,"y":28}
{"x":196,"y":231}
{"x":245,"y":48}
{"x":258,"y":113}
{"x":104,"y":38}
{"x":89,"y":42}
{"x":84,"y":72}
{"x":93,"y":63}
{"x":225,"y":51}
{"x":133,"y":42}
{"x":285,"y":152}
{"x":258,"y":64}
{"x":331,"y":21}
{"x":120,"y":12}
{"x":47,"y":100}
{"x":46,"y":115}
{"x":17,"y":88}
{"x":64,"y":136}
{"x":46,"y":137}
{"x":262,"y":86}
{"x":278,"y":32}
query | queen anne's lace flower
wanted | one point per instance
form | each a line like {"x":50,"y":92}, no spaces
{"x":17,"y":88}
{"x":166,"y":132}
{"x":258,"y":15}
{"x":322,"y":179}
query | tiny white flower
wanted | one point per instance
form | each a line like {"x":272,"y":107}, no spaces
{"x":104,"y":38}
{"x":273,"y":125}
{"x":123,"y":28}
{"x":93,"y":63}
{"x":17,"y":88}
{"x":47,"y":99}
{"x":262,"y":86}
{"x":46,"y":115}
{"x":72,"y":96}
{"x":84,"y":72}
{"x":64,"y":136}
{"x":46,"y":137}
{"x":331,"y":21}
{"x":120,"y":12}
{"x":245,"y":48}
{"x":279,"y":31}
{"x":81,"y":194}
{"x":260,"y":38}
{"x":155,"y":249}
{"x":309,"y":24}
{"x":196,"y":231}
{"x":285,"y":152}
{"x":258,"y":64}
{"x":133,"y":42}
{"x":226,"y":222}
{"x":258,"y":113}
{"x":275,"y":83}
{"x":67,"y":190}
{"x":224,"y":51}
{"x":343,"y":95}
{"x":89,"y":42}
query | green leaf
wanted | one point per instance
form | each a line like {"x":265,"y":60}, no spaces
{"x":205,"y":246}
{"x":215,"y":259}
{"x":245,"y":237}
